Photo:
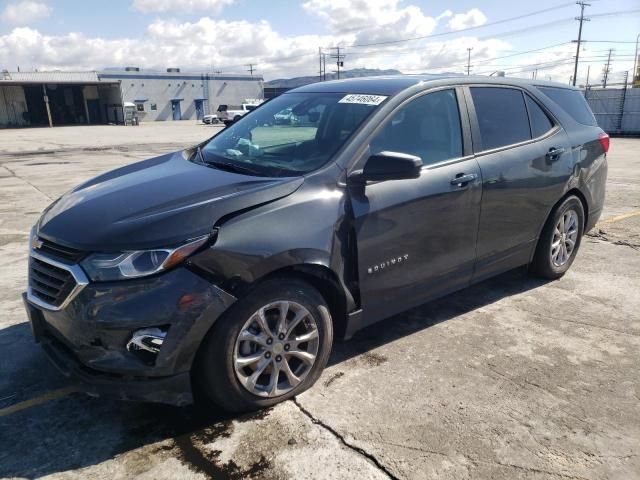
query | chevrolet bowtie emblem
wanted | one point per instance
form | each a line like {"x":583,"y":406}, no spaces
{"x":36,"y":243}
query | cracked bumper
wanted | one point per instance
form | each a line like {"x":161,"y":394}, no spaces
{"x":87,"y":339}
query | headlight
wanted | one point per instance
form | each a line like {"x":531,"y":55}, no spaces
{"x":122,"y":265}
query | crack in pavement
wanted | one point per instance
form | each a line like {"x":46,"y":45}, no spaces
{"x":13,"y":174}
{"x":19,"y":156}
{"x":342,"y":440}
{"x":602,"y":235}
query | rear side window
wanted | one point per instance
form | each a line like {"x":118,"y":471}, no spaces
{"x":502,"y":116}
{"x":572,"y":102}
{"x":540,"y":122}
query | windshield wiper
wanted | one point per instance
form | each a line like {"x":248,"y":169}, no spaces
{"x":233,"y":167}
{"x":228,"y":166}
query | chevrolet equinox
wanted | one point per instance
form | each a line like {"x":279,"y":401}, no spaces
{"x":232,"y":266}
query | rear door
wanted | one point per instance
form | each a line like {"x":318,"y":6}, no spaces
{"x":525,"y":160}
{"x":416,"y":238}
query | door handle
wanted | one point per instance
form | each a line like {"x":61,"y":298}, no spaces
{"x":554,"y":153}
{"x":462,"y":179}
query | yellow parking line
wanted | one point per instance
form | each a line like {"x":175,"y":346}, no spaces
{"x":32,"y":402}
{"x":618,"y":218}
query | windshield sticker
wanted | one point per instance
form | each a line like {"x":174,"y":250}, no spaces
{"x":363,"y":99}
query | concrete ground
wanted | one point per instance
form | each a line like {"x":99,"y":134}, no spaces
{"x":512,"y":378}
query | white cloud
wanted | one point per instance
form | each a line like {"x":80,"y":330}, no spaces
{"x":168,"y":43}
{"x":25,"y":12}
{"x":372,"y":21}
{"x":446,"y":14}
{"x":212,"y":7}
{"x":230,"y":45}
{"x":472,"y":18}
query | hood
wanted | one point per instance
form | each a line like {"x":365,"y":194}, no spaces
{"x":154,"y":203}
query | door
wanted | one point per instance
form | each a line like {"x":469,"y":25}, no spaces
{"x":199,"y":109}
{"x":416,"y":238}
{"x":524,"y":156}
{"x":175,"y":110}
{"x":93,"y":107}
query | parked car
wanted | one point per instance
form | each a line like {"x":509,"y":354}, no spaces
{"x":229,"y":113}
{"x":210,"y":119}
{"x":235,"y":264}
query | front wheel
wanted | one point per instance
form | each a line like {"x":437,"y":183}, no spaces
{"x":268,"y":347}
{"x":560,"y":239}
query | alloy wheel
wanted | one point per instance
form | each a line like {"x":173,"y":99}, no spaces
{"x":565,"y":235}
{"x":276,"y":349}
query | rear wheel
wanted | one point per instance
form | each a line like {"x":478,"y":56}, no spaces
{"x":560,"y":239}
{"x":268,"y":347}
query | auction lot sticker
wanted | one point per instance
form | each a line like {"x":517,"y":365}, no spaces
{"x":363,"y":99}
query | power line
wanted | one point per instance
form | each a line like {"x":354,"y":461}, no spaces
{"x":605,"y":41}
{"x":435,"y":35}
{"x":617,"y":12}
{"x":497,"y":22}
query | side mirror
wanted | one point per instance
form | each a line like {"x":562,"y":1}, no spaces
{"x":388,"y":166}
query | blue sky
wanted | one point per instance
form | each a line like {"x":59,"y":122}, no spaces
{"x":282,"y":36}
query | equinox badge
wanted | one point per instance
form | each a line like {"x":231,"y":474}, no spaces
{"x":388,"y":263}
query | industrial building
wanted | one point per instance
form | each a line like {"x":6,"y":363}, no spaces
{"x":77,"y":98}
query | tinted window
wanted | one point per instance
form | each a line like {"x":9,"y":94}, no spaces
{"x":428,"y":127}
{"x":571,"y":101}
{"x":502,"y":116}
{"x":540,"y":123}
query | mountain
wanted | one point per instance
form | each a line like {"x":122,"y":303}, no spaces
{"x":356,"y":72}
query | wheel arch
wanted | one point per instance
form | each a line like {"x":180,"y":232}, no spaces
{"x":323,"y":279}
{"x":585,"y":207}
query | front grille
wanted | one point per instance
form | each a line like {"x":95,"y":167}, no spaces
{"x":59,"y":251}
{"x":49,"y":283}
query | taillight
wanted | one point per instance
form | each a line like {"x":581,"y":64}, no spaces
{"x":604,"y":141}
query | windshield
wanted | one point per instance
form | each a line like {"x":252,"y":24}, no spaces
{"x":290,"y":135}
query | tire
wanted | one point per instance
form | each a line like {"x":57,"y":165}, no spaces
{"x":236,"y":118}
{"x":549,"y":260}
{"x":229,"y":386}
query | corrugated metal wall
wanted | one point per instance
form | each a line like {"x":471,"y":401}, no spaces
{"x":13,"y":106}
{"x":616,"y":109}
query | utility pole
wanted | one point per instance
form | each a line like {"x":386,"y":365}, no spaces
{"x":607,"y":69}
{"x":469,"y":60}
{"x":251,"y":68}
{"x":587,"y":83}
{"x":324,"y":66}
{"x":635,"y":74}
{"x":322,"y":58}
{"x":581,"y":19}
{"x":46,"y":103}
{"x":339,"y":59}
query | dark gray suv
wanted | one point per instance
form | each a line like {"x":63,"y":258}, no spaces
{"x":234,"y":265}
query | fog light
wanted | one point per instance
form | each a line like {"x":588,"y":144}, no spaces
{"x":148,"y":339}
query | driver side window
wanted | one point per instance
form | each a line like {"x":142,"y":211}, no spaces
{"x":428,"y":127}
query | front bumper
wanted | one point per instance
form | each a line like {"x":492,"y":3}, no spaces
{"x":87,"y":339}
